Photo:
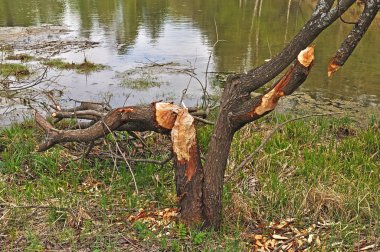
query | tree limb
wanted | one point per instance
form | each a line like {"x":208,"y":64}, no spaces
{"x":133,"y":118}
{"x":354,"y":37}
{"x":259,"y":106}
{"x":322,"y":17}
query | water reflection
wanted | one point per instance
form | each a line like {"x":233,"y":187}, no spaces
{"x":31,"y":12}
{"x":250,"y":31}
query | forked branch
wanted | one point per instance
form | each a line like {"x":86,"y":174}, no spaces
{"x":259,"y":106}
{"x":324,"y":15}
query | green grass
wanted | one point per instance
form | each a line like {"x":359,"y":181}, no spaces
{"x":84,"y":67}
{"x":10,"y":69}
{"x":140,"y":79}
{"x":320,"y":169}
{"x":21,"y":57}
{"x":141,"y":84}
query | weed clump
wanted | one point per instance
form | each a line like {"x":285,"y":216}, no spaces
{"x":17,"y":70}
{"x":84,"y":67}
{"x":21,"y":57}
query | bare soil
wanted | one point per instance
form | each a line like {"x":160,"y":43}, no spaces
{"x":43,"y":40}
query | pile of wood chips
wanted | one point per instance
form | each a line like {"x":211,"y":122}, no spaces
{"x":155,"y":219}
{"x":284,"y":236}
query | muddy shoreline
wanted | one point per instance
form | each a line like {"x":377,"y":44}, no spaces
{"x":44,"y":42}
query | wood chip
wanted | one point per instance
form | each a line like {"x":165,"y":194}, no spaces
{"x":279,"y":237}
{"x":368,"y":247}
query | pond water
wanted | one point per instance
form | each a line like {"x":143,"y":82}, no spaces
{"x":182,"y":34}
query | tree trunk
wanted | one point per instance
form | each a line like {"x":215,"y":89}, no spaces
{"x":214,"y":170}
{"x":189,"y":189}
{"x":217,"y":157}
{"x":188,"y":169}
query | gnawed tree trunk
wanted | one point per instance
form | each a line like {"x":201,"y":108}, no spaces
{"x":199,"y":189}
{"x":188,"y":166}
{"x":228,"y":123}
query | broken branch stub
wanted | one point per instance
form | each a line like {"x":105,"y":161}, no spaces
{"x":306,"y":56}
{"x":189,"y":171}
{"x":354,"y":37}
{"x":183,"y":133}
{"x":184,"y":141}
{"x":333,"y":66}
{"x":281,"y":88}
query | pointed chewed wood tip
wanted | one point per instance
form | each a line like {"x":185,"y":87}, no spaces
{"x":268,"y":102}
{"x":332,"y":67}
{"x":306,"y":56}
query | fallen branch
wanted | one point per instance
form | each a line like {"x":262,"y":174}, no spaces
{"x":82,"y":114}
{"x":151,"y":161}
{"x":203,"y":120}
{"x":154,"y":117}
{"x":84,"y":105}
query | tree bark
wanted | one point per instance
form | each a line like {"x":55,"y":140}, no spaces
{"x":188,"y":169}
{"x":228,"y":123}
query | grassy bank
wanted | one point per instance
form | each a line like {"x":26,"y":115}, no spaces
{"x":84,"y":67}
{"x":319,"y":177}
{"x":17,"y":70}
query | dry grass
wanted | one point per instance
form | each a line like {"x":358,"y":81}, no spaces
{"x":314,"y":173}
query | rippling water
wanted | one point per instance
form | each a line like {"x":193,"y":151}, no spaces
{"x":132,"y":33}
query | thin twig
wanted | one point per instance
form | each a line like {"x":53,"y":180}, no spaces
{"x":56,"y":106}
{"x":185,"y":91}
{"x":137,"y":248}
{"x":34,"y":83}
{"x":152,"y":161}
{"x":87,"y":151}
{"x":142,"y":160}
{"x":206,"y":95}
{"x":203,"y":120}
{"x":123,"y":155}
{"x":136,"y":136}
{"x":340,"y":15}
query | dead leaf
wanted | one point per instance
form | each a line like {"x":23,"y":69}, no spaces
{"x":310,"y":238}
{"x":258,"y":237}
